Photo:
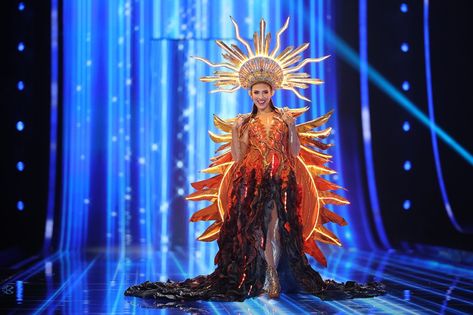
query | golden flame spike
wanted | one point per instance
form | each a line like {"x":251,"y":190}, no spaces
{"x":211,"y":233}
{"x":316,"y":134}
{"x":314,"y":123}
{"x":296,"y":51}
{"x":304,"y":62}
{"x":328,"y":235}
{"x":291,"y":61}
{"x":239,"y":52}
{"x":215,"y":65}
{"x":209,"y":79}
{"x":320,"y":170}
{"x":316,"y":153}
{"x":266,"y":44}
{"x":244,"y":42}
{"x":226,"y":90}
{"x":262,"y":31}
{"x":299,"y":95}
{"x":283,"y":53}
{"x":309,"y":80}
{"x":225,"y":47}
{"x":335,"y":199}
{"x":256,"y":43}
{"x":278,"y":38}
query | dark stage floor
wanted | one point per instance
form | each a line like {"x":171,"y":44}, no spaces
{"x":93,"y":283}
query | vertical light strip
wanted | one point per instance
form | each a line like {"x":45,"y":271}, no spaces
{"x":88,"y":105}
{"x":320,"y":53}
{"x":142,"y":138}
{"x":312,"y":48}
{"x":49,"y":224}
{"x":78,"y":125}
{"x":165,"y":171}
{"x":65,"y":142}
{"x":125,"y":155}
{"x":365,"y":122}
{"x":111,"y":139}
{"x":125,"y":85}
{"x":194,"y":47}
{"x":147,"y":146}
{"x":433,"y":134}
{"x":153,"y":146}
{"x":330,"y":99}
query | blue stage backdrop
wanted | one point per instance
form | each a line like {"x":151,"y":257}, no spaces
{"x":136,"y":115}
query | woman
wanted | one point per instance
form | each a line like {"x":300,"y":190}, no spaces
{"x":267,"y":145}
{"x":268,"y":195}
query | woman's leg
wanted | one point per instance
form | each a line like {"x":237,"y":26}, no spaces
{"x":272,"y":253}
{"x":272,"y":249}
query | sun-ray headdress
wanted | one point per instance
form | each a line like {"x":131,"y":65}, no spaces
{"x":261,"y":65}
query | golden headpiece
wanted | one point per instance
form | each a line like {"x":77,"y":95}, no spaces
{"x":261,"y":65}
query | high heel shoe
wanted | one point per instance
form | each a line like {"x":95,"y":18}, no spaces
{"x":274,"y":288}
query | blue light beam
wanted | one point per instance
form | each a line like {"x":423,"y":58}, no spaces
{"x":353,"y":59}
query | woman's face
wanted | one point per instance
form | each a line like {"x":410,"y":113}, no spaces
{"x":261,"y":94}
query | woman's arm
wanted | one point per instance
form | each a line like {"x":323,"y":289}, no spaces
{"x":239,"y":145}
{"x":294,"y":143}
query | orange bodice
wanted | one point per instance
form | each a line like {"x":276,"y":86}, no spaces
{"x":268,"y":148}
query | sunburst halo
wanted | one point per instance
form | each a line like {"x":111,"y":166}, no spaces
{"x":261,"y":65}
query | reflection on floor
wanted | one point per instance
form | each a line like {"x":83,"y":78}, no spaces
{"x":79,"y":283}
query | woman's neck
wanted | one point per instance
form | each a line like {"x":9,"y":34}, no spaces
{"x":265,"y":111}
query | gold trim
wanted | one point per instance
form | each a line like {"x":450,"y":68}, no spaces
{"x":259,"y":65}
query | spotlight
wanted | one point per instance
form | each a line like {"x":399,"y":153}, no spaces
{"x":20,"y":166}
{"x":405,"y":47}
{"x":20,"y":86}
{"x":404,"y":8}
{"x":20,"y":205}
{"x":407,"y":166}
{"x":406,"y":126}
{"x":406,"y":204}
{"x":20,"y":126}
{"x":21,"y":46}
{"x":406,"y":86}
{"x":407,"y":295}
{"x":21,"y":6}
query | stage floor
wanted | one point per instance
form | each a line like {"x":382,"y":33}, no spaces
{"x":94,"y":282}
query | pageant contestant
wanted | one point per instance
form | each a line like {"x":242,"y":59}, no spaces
{"x":267,"y":194}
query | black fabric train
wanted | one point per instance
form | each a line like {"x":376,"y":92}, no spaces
{"x":241,"y":265}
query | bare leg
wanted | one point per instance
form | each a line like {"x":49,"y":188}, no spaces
{"x":271,"y":238}
{"x":271,"y":253}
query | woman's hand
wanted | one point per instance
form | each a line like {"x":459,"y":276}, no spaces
{"x":287,"y":117}
{"x":238,"y":122}
{"x":239,"y":142}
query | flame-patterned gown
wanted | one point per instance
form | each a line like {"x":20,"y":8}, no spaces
{"x":242,"y":196}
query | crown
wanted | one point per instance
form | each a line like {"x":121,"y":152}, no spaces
{"x":261,"y":65}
